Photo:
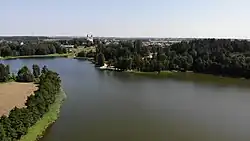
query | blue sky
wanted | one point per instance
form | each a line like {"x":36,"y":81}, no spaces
{"x":127,"y":18}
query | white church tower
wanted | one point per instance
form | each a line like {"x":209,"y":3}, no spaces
{"x":90,"y":38}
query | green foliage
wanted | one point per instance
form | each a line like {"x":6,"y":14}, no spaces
{"x":6,"y":51}
{"x":25,"y":75}
{"x":45,"y":69}
{"x":90,"y":54}
{"x":30,"y":48}
{"x":4,"y":72}
{"x":49,"y":117}
{"x":12,"y":77}
{"x":3,"y":136}
{"x":100,"y":59}
{"x":210,"y":56}
{"x":36,"y":70}
{"x":81,"y":54}
{"x":19,"y":120}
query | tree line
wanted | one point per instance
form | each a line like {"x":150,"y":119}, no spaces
{"x":23,"y":74}
{"x":79,"y":42}
{"x":16,"y":124}
{"x":30,"y":48}
{"x":223,"y":57}
{"x":23,"y":38}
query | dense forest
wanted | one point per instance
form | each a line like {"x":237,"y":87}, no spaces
{"x":30,"y":48}
{"x":212,"y":56}
{"x":15,"y":125}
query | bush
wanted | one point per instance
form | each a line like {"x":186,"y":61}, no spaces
{"x":25,"y":75}
{"x":36,"y":70}
{"x":81,"y":54}
{"x":4,"y":72}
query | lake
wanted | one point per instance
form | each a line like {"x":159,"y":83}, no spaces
{"x":113,"y":106}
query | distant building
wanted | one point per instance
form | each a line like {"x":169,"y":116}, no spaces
{"x":90,"y":39}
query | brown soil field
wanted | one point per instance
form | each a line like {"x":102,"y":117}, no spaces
{"x":14,"y":94}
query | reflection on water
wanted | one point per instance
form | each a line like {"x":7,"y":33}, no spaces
{"x":111,"y":106}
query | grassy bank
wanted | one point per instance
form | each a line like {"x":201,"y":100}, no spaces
{"x":37,"y":131}
{"x":153,"y":74}
{"x":34,"y":56}
{"x":81,"y":58}
{"x":92,"y":60}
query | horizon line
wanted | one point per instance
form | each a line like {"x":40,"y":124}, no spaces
{"x":72,"y":36}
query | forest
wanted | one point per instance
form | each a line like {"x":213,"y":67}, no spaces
{"x":16,"y":124}
{"x":30,"y":48}
{"x":222,"y":57}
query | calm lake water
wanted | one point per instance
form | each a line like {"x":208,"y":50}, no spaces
{"x":109,"y":106}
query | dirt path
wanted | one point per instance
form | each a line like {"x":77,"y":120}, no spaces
{"x":14,"y":94}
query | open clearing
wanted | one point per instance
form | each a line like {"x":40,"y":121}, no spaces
{"x":14,"y":94}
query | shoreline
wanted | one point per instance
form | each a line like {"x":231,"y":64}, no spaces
{"x":37,"y":131}
{"x":81,"y":58}
{"x":85,"y":58}
{"x":34,"y":56}
{"x":189,"y":75}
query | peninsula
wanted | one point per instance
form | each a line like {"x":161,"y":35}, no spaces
{"x":29,"y":105}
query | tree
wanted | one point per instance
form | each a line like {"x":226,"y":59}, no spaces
{"x":138,"y":46}
{"x":36,"y":70}
{"x":2,"y":133}
{"x":30,"y":48}
{"x":4,"y":73}
{"x":45,"y":69}
{"x":7,"y":69}
{"x":10,"y":132}
{"x":6,"y":51}
{"x":25,"y":75}
{"x":52,"y":49}
{"x":17,"y":122}
{"x":100,"y":59}
{"x":81,"y":54}
{"x":42,"y":50}
{"x":90,"y":54}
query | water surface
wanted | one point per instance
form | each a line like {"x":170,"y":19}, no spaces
{"x":109,"y":106}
